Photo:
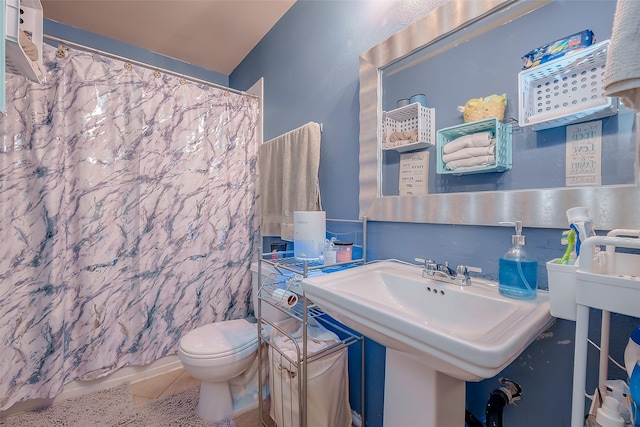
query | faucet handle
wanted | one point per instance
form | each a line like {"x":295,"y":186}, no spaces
{"x":446,"y":269}
{"x":465,"y":269}
{"x":462,"y":273}
{"x":462,"y":269}
{"x":428,"y":263}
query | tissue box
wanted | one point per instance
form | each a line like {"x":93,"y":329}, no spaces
{"x":562,"y":289}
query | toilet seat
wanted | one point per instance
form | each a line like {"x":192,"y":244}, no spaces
{"x":220,"y":339}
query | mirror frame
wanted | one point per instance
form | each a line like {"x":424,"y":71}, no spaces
{"x":611,"y":207}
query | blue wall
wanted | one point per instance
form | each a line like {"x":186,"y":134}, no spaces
{"x":310,"y":63}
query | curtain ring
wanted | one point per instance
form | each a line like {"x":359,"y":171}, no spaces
{"x":62,"y":51}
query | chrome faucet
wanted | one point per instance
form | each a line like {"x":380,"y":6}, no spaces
{"x":444,"y":273}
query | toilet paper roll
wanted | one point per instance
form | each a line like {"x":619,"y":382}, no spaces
{"x":285,"y":298}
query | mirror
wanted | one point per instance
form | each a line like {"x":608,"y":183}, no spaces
{"x":490,"y":199}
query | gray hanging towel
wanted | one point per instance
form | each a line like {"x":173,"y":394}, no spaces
{"x":288,"y":168}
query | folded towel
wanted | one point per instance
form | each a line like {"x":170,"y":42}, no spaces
{"x":479,"y":139}
{"x":465,"y":153}
{"x":288,"y":168}
{"x":622,"y":70}
{"x":471,"y":162}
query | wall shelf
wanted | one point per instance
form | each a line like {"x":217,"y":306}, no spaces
{"x":501,"y":133}
{"x":566,"y":90}
{"x":410,"y":118}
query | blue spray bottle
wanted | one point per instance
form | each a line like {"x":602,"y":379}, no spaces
{"x":580,"y":222}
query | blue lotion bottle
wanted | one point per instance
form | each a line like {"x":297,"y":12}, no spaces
{"x":517,"y":273}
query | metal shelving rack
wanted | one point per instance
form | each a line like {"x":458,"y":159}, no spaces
{"x":305,"y":312}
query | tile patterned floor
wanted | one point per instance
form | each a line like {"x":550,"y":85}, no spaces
{"x":174,"y":382}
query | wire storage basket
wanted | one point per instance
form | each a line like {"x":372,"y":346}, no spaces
{"x":410,"y":118}
{"x":566,"y":90}
{"x":501,"y":132}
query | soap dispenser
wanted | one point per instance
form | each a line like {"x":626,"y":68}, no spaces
{"x":517,"y":273}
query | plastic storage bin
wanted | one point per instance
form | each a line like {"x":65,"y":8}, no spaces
{"x":563,"y":279}
{"x":566,"y":90}
{"x":562,"y":289}
{"x":17,"y":62}
{"x":406,"y":119}
{"x":501,"y":132}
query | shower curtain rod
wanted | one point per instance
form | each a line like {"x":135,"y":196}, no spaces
{"x":145,"y":65}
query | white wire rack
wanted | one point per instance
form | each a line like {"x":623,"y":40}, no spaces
{"x":291,"y":383}
{"x":615,"y":291}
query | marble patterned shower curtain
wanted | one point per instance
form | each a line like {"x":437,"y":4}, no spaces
{"x":127,"y":217}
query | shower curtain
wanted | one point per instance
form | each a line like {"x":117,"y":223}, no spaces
{"x":127,"y":217}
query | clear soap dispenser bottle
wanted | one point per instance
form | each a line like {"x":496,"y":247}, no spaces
{"x":517,"y":273}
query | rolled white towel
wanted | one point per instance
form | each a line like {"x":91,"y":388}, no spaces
{"x":471,"y":162}
{"x":622,"y":70}
{"x":411,"y":136}
{"x":397,"y":139}
{"x":469,"y":152}
{"x":479,"y":139}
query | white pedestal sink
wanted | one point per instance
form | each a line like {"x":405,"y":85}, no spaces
{"x":438,"y":335}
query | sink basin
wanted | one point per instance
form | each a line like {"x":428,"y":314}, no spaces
{"x":467,"y":332}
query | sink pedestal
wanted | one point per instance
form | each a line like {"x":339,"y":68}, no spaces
{"x":416,"y":395}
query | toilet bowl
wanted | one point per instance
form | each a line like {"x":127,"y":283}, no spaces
{"x":223,"y":355}
{"x":216,"y":353}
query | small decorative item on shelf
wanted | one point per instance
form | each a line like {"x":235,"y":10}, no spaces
{"x":419,"y":98}
{"x":478,"y":147}
{"x":408,"y":128}
{"x":492,"y":106}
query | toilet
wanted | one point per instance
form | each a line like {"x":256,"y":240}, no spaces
{"x":214,"y":354}
{"x":224,"y":356}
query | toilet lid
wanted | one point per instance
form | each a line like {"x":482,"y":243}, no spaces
{"x":220,"y":338}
